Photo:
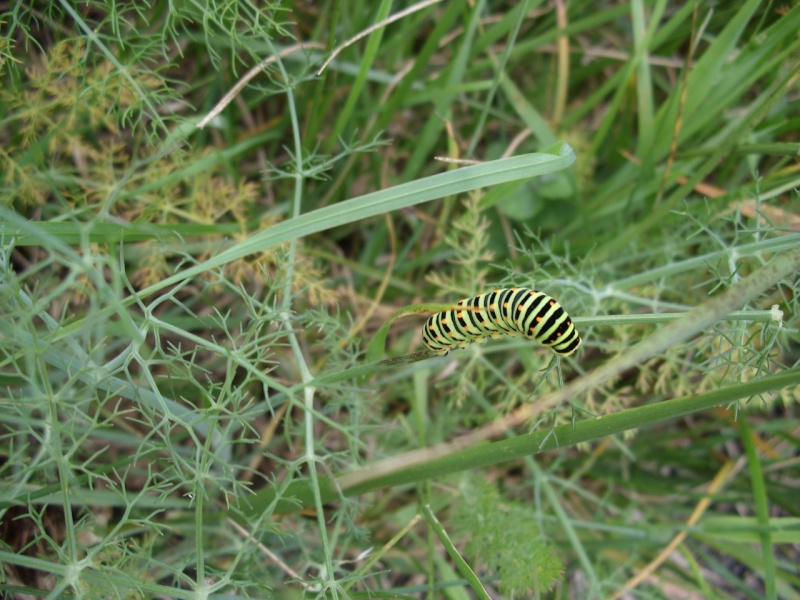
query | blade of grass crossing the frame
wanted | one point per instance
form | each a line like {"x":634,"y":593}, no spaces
{"x":489,"y":453}
{"x":402,"y":196}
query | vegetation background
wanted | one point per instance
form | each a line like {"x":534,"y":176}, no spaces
{"x":188,"y":409}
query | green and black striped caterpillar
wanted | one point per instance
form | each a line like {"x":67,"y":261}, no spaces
{"x":510,"y":311}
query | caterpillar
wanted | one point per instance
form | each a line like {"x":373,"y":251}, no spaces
{"x":510,"y":311}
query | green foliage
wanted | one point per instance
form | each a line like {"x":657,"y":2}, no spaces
{"x":468,"y":239}
{"x":188,"y":290}
{"x":503,"y":535}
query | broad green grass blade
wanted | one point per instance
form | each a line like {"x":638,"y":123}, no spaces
{"x":394,"y":472}
{"x":402,"y":196}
